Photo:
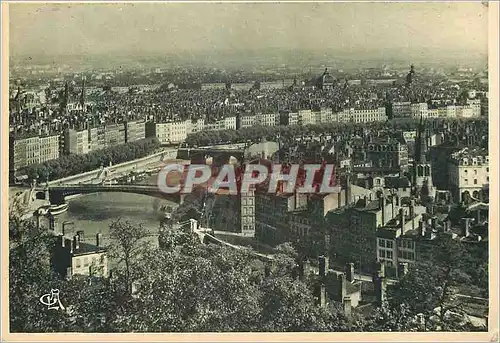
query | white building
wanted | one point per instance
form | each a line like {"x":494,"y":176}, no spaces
{"x":363,"y":115}
{"x":419,"y":110}
{"x":265,"y":119}
{"x":306,"y":117}
{"x":469,"y":173}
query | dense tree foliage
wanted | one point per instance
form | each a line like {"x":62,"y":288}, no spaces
{"x":73,"y":164}
{"x":187,"y":286}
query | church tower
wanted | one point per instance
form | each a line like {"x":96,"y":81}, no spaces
{"x":421,"y":168}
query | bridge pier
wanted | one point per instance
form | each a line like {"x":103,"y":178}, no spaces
{"x":56,"y":198}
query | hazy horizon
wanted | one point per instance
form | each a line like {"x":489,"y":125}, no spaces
{"x":200,"y":28}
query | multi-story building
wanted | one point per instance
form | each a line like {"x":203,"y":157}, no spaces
{"x":31,"y":150}
{"x":74,"y":256}
{"x":169,"y":133}
{"x":451,"y":111}
{"x":94,"y":143}
{"x":326,"y":116}
{"x":76,"y":142}
{"x":419,"y":110}
{"x":433,"y":113}
{"x":469,"y":174}
{"x":388,"y":153}
{"x":245,"y":120}
{"x":230,"y":123}
{"x":394,"y":242}
{"x":306,"y":117}
{"x":289,"y":118}
{"x":272,"y":215}
{"x":401,"y":109}
{"x":49,"y":148}
{"x":266,"y":119}
{"x":134,"y":131}
{"x":114,"y":134}
{"x":353,"y":229}
{"x":364,"y":115}
{"x":247,"y":213}
{"x":197,"y":125}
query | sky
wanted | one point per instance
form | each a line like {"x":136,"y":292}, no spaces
{"x":200,"y":27}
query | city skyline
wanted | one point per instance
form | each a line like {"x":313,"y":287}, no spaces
{"x":412,"y":29}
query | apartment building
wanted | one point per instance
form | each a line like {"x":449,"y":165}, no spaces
{"x":75,"y":256}
{"x":468,"y":173}
{"x":306,"y":117}
{"x":401,"y":109}
{"x":420,"y":110}
{"x":134,"y":131}
{"x":31,"y":150}
{"x":76,"y":142}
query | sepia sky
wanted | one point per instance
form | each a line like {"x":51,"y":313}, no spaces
{"x":164,"y":28}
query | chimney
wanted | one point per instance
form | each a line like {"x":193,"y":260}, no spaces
{"x":98,"y":239}
{"x":402,"y":269}
{"x":322,"y":296}
{"x":402,"y":220}
{"x":393,"y":205}
{"x":76,"y":242}
{"x":412,"y":213}
{"x":323,"y":266}
{"x":347,"y":306}
{"x":342,"y":285}
{"x":63,"y":241}
{"x":478,"y":216}
{"x":349,"y":272}
{"x":381,"y":200}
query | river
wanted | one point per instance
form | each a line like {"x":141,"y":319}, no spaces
{"x":93,"y":213}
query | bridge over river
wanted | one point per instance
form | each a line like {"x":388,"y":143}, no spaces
{"x":57,"y":194}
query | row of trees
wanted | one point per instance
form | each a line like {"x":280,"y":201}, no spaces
{"x":73,"y":164}
{"x":256,"y":133}
{"x":190,"y":287}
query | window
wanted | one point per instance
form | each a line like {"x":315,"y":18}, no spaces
{"x":487,"y":179}
{"x":85,"y":261}
{"x":78,"y":263}
{"x":466,"y":181}
{"x":389,"y":254}
{"x":475,"y":181}
{"x":389,"y":244}
{"x":381,"y":253}
{"x":475,"y":171}
{"x":381,"y":243}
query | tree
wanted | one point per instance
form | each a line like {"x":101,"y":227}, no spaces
{"x":130,"y":243}
{"x":429,"y":290}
